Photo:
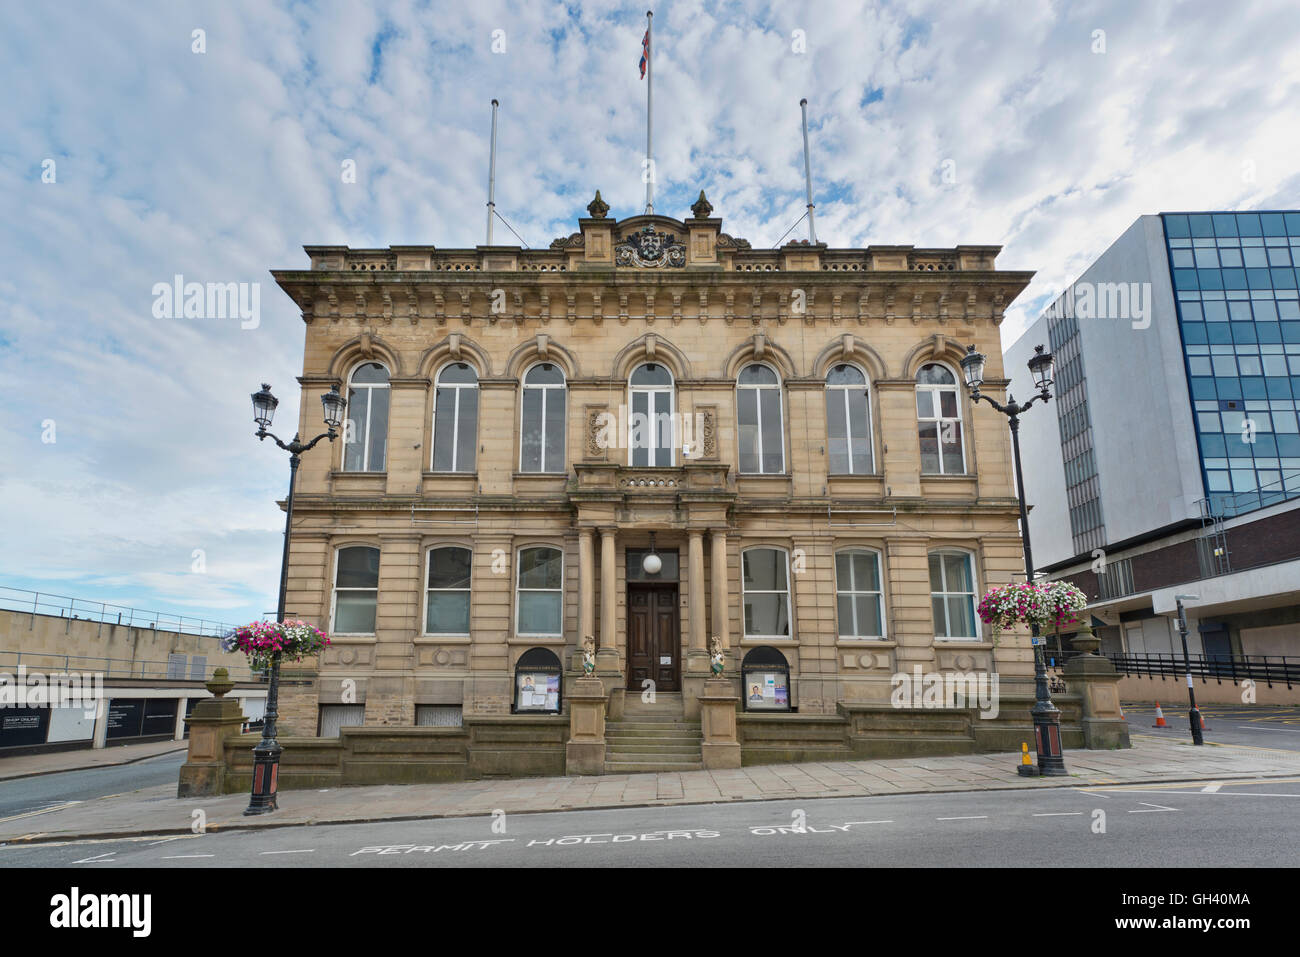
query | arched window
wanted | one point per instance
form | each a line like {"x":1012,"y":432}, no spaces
{"x":365,"y":433}
{"x":539,"y":599}
{"x":356,"y":590}
{"x":848,"y":421}
{"x":765,"y":581}
{"x":541,"y":434}
{"x":859,"y":601}
{"x":446,"y":607}
{"x":758,"y":413}
{"x":952,"y":594}
{"x":650,"y":423}
{"x":455,"y":418}
{"x":938,"y":412}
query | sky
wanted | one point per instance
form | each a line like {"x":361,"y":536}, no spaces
{"x":134,"y":149}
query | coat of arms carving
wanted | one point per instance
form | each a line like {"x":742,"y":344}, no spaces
{"x":650,"y":249}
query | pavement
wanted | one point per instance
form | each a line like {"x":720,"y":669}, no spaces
{"x":84,"y":759}
{"x":156,"y":811}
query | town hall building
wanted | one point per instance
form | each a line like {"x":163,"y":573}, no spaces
{"x":653,"y":435}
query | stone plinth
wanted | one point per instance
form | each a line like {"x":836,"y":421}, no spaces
{"x":1096,"y":682}
{"x":720,"y":747}
{"x":584,"y":753}
{"x":212,"y":721}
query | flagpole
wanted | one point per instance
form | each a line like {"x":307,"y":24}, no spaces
{"x":649,"y":117}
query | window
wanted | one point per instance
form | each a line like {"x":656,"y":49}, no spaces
{"x":765,"y":580}
{"x":540,"y":595}
{"x":650,"y":426}
{"x":455,"y":418}
{"x":857,"y":593}
{"x":939,"y":416}
{"x":758,"y":411}
{"x":952,"y":594}
{"x":447,"y":596}
{"x":356,"y":590}
{"x":541,"y":445}
{"x":365,"y":433}
{"x":848,"y":421}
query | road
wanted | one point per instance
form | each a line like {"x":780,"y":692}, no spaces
{"x":1236,"y":725}
{"x":24,"y":795}
{"x":1203,"y":825}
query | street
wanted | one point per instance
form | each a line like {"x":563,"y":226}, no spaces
{"x":1252,"y":726}
{"x":36,"y":793}
{"x":1205,"y":824}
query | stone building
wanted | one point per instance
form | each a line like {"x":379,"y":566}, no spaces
{"x":786,"y":431}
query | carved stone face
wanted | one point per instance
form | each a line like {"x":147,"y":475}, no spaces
{"x":652,"y":245}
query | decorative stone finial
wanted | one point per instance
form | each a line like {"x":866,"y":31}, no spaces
{"x":598,"y":207}
{"x":701,"y":207}
{"x":220,"y":683}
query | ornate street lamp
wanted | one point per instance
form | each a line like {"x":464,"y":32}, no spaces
{"x":1047,"y":717}
{"x":266,"y":756}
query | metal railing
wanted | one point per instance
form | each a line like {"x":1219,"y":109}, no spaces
{"x":43,"y":661}
{"x":61,"y":606}
{"x":1269,"y":669}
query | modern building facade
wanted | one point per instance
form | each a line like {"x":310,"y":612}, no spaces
{"x":1172,"y":465}
{"x":651,"y":434}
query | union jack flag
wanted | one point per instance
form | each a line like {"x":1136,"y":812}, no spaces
{"x":645,"y":52}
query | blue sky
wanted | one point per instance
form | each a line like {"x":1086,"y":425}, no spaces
{"x":221,"y":165}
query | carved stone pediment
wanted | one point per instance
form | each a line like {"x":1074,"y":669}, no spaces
{"x":650,"y":249}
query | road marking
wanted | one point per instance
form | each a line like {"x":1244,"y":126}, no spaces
{"x":973,"y":817}
{"x":310,"y":850}
{"x":1059,"y":814}
{"x":1211,"y":788}
{"x":44,"y":810}
{"x":99,"y":859}
{"x":1152,"y":807}
{"x":848,"y":823}
{"x":180,"y":857}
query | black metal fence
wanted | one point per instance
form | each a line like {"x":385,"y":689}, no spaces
{"x":1269,"y":669}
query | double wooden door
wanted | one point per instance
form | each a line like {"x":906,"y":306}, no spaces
{"x":653,"y":637}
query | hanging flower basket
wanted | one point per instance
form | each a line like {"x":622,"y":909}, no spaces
{"x":260,"y":640}
{"x":1016,"y":603}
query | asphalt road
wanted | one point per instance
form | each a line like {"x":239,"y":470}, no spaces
{"x":23,"y":795}
{"x":1203,"y":825}
{"x":1236,"y":725}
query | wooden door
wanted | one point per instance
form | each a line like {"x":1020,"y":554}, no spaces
{"x":653,"y":637}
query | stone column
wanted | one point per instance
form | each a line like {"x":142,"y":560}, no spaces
{"x":720,"y":747}
{"x":586,"y":590}
{"x":699,"y":642}
{"x":213,"y":721}
{"x":607,"y":655}
{"x":721,"y":593}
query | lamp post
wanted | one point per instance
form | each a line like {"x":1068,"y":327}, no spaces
{"x":1194,"y":716}
{"x":266,"y":756}
{"x":1047,"y":717}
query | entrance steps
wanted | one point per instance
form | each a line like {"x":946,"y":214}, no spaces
{"x":652,"y":737}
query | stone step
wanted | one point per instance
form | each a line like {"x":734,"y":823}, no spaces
{"x":643,"y":747}
{"x":668,"y":729}
{"x":653,"y":725}
{"x":649,"y":767}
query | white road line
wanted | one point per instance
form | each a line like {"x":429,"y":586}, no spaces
{"x":848,"y":823}
{"x":310,"y":850}
{"x":1211,"y":788}
{"x":44,"y":810}
{"x":1152,"y":807}
{"x":1060,"y":814}
{"x":180,"y":857}
{"x":98,"y":859}
{"x":973,"y":817}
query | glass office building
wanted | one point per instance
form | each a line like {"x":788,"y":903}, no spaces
{"x":1236,"y":278}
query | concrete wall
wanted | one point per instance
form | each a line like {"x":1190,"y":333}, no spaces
{"x":1144,"y":441}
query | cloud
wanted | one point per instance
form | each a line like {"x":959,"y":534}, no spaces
{"x":219,"y":166}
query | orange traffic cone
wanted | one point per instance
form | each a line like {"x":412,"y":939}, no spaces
{"x":1204,"y":726}
{"x":1160,"y":717}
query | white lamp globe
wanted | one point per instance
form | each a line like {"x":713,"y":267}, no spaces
{"x":652,"y":563}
